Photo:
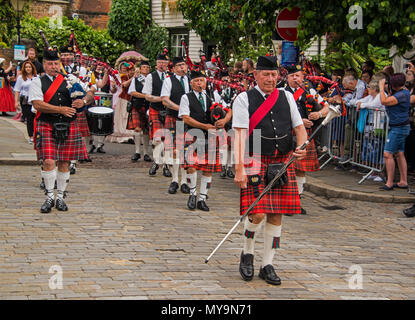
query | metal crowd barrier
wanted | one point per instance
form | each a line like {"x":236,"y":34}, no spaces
{"x":358,"y":138}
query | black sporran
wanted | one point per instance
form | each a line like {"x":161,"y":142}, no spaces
{"x":162,"y":115}
{"x":60,"y":131}
{"x":274,"y":169}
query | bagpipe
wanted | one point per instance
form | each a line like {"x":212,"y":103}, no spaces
{"x":82,"y":59}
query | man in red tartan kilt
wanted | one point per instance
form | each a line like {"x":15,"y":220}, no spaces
{"x":194,"y":110}
{"x":273,"y":114}
{"x":310,"y":111}
{"x":174,"y":87}
{"x":152,"y":90}
{"x":137,"y":117}
{"x":57,"y":135}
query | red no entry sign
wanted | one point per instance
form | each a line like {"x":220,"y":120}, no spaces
{"x":287,"y":23}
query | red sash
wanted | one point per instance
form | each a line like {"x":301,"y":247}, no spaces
{"x":47,"y":97}
{"x":298,"y":93}
{"x":263,"y":109}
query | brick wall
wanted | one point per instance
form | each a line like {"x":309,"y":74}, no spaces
{"x":93,"y":12}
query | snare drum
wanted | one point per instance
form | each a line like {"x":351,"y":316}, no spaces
{"x":103,"y":99}
{"x":100,"y":121}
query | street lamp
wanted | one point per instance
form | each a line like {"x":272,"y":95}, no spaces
{"x":18,"y":7}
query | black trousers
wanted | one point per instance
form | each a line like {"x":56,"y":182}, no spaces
{"x":30,"y":117}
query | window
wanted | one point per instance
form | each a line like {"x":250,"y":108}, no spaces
{"x":176,"y":48}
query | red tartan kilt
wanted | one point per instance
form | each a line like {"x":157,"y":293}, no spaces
{"x":72,"y":149}
{"x":154,"y":122}
{"x":310,"y":163}
{"x":83,"y":124}
{"x":282,"y":200}
{"x":202,"y":162}
{"x":177,"y":141}
{"x":137,"y":119}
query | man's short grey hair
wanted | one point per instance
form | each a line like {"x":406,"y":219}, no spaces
{"x":374,"y":85}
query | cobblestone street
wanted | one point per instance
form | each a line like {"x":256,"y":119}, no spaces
{"x":124,"y":236}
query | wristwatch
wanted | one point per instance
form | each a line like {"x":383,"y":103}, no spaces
{"x":321,"y":114}
{"x":85,"y":102}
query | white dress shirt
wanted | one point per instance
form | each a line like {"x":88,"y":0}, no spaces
{"x":240,"y":116}
{"x":184,"y":109}
{"x":35,"y":90}
{"x":23,"y":86}
{"x":167,"y":85}
{"x":132,"y":88}
{"x":148,"y":85}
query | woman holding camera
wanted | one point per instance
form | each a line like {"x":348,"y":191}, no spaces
{"x":397,"y":108}
{"x":21,"y":95}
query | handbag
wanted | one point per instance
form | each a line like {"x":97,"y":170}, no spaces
{"x":274,"y":169}
{"x":60,"y":131}
{"x":24,"y":100}
{"x":162,"y":115}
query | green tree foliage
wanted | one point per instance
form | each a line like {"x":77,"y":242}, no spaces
{"x":96,"y":43}
{"x":215,"y":20}
{"x":385,"y":23}
{"x":7,"y":21}
{"x":153,"y":42}
{"x":348,"y":56}
{"x":129,"y":19}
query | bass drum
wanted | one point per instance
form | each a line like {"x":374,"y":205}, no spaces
{"x":100,"y":121}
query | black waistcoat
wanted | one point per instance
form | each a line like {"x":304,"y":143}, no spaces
{"x":196,"y":110}
{"x":300,"y":102}
{"x":177,"y":91}
{"x":139,"y":102}
{"x":156,"y":91}
{"x":275,"y":126}
{"x":60,"y":98}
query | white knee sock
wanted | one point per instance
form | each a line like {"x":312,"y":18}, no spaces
{"x":98,"y":141}
{"x":175,"y":171}
{"x":137,"y":141}
{"x":49,"y":177}
{"x":272,"y":234}
{"x":183,"y":174}
{"x":168,"y":157}
{"x":191,"y":181}
{"x":249,"y":236}
{"x":300,"y":184}
{"x":146,"y":144}
{"x":204,"y":187}
{"x":223,"y":154}
{"x":157,"y":152}
{"x":62,"y":180}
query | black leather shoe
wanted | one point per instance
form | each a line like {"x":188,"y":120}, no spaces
{"x":101,"y":149}
{"x":303,"y":211}
{"x":166,"y":171}
{"x":184,"y":188}
{"x":230,"y":173}
{"x":268,"y":274}
{"x":88,"y":160}
{"x":47,"y":205}
{"x":246,"y":266}
{"x":409,"y":212}
{"x":173,"y":187}
{"x":147,"y":158}
{"x":223,"y":172}
{"x":92,"y":149}
{"x":153,"y":169}
{"x":201,"y":205}
{"x":61,"y":205}
{"x":135,"y":157}
{"x":191,"y":203}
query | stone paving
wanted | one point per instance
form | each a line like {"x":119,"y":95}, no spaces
{"x":125,"y":237}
